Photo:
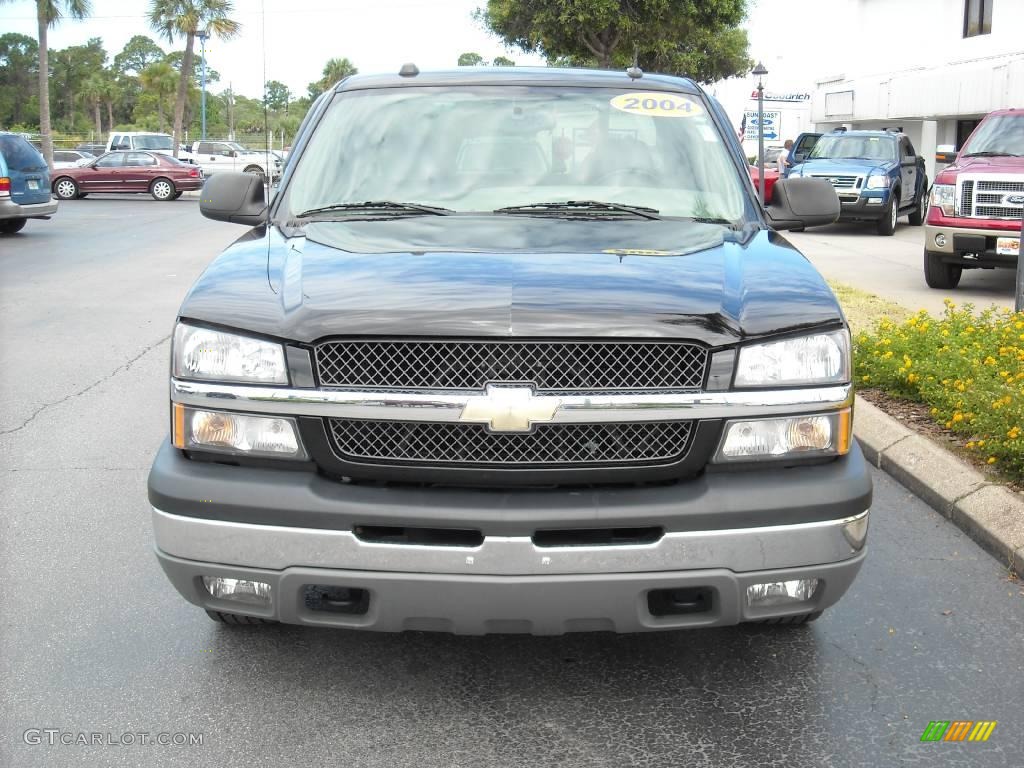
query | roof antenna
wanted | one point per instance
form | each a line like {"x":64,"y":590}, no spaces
{"x":634,"y":71}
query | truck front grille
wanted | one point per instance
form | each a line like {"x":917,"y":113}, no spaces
{"x":551,"y":366}
{"x":474,"y":445}
{"x":985,"y":198}
{"x":840,"y":181}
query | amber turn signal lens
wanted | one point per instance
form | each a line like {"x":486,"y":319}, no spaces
{"x":178,"y":415}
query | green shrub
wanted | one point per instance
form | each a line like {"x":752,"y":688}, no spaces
{"x":969,"y":368}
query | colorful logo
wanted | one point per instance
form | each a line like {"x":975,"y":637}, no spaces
{"x":959,"y":730}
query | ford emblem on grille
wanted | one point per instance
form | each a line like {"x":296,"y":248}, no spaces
{"x":1013,"y":200}
{"x":510,"y":408}
{"x":833,"y":181}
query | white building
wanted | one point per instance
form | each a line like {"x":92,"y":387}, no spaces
{"x":932,"y":68}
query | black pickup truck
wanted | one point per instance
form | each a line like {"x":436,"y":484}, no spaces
{"x":512,"y":351}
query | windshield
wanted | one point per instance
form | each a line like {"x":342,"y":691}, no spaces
{"x":236,"y":146}
{"x":153,"y":142}
{"x":1003,"y":135}
{"x":484,"y":148}
{"x":882,"y":148}
{"x":20,"y":155}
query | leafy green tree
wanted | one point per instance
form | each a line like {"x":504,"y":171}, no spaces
{"x":48,"y":13}
{"x":184,"y":18}
{"x":94,"y":90}
{"x":19,"y":81}
{"x":502,"y":61}
{"x":470,"y":60}
{"x":334,"y":70}
{"x":71,"y":67}
{"x":160,"y":81}
{"x":137,"y":54}
{"x":698,"y":38}
{"x":277,"y":95}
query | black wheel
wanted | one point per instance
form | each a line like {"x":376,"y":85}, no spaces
{"x":792,"y":621}
{"x":939,"y":274}
{"x":236,"y":618}
{"x":10,"y":226}
{"x":162,"y":189}
{"x":66,"y":189}
{"x":257,"y":171}
{"x":82,"y":195}
{"x":916,"y":217}
{"x":887,"y":223}
{"x":177,"y":195}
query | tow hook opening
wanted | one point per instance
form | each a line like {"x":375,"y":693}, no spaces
{"x":331,"y":599}
{"x":677,"y":602}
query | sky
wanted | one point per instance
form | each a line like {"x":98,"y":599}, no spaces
{"x":379,"y":36}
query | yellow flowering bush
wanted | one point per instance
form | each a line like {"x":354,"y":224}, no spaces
{"x":969,"y":368}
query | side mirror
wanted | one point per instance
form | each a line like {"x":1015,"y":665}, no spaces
{"x":945,"y":153}
{"x":234,"y":197}
{"x":802,"y":202}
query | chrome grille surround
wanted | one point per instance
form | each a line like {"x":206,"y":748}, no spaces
{"x":468,"y":445}
{"x":550,"y":366}
{"x":984,"y":197}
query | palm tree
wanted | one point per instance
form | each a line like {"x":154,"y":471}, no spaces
{"x":334,"y":70}
{"x":184,"y":18}
{"x":160,"y":80}
{"x":48,"y":13}
{"x":94,"y":89}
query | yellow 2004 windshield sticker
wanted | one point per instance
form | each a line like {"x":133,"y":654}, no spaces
{"x":657,"y":104}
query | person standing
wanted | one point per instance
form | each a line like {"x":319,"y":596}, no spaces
{"x":783,"y":159}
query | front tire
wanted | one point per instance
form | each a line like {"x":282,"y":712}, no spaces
{"x":66,"y":188}
{"x":887,"y":223}
{"x":11,"y":226}
{"x":938,"y":274}
{"x":162,"y":189}
{"x":916,"y":217}
{"x":257,"y":171}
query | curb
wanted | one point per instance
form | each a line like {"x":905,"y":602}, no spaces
{"x":989,"y":513}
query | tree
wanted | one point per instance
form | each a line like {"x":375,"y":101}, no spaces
{"x":19,"y":55}
{"x":184,"y":18}
{"x":137,"y":54}
{"x":470,"y":60}
{"x":160,"y":80}
{"x":71,"y":67}
{"x":48,"y":13}
{"x":277,"y":95}
{"x":334,"y":70}
{"x":501,"y":61}
{"x":701,"y":35}
{"x":94,"y":89}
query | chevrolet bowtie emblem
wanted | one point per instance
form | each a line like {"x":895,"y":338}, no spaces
{"x":510,"y":409}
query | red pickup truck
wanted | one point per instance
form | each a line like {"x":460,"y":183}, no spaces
{"x":974,"y":218}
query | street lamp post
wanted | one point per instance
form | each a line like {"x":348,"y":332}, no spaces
{"x":760,"y":71}
{"x":202,"y":35}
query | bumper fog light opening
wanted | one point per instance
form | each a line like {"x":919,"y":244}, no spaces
{"x":940,"y":240}
{"x":781,"y":593}
{"x":238,"y":590}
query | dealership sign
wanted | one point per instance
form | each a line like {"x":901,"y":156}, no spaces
{"x":771,"y":125}
{"x":770,"y":96}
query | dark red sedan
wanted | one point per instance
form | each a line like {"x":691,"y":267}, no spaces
{"x":164,"y":177}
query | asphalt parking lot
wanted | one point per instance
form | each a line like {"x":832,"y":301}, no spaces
{"x":893,"y":267}
{"x":94,"y":640}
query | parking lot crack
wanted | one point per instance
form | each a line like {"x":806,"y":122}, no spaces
{"x":120,"y":369}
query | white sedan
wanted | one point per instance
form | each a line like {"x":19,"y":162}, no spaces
{"x":70,"y":158}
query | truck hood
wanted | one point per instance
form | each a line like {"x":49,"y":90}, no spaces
{"x":522,"y":277}
{"x":841,"y":165}
{"x":988,"y":165}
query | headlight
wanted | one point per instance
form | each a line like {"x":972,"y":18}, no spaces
{"x":944,"y":197}
{"x":201,"y":353}
{"x":876,"y":181}
{"x":236,"y":433}
{"x":787,"y":438}
{"x":820,"y":359}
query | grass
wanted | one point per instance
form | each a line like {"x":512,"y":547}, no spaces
{"x":863,"y":310}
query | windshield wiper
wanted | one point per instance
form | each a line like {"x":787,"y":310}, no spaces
{"x":581,"y":206}
{"x":376,"y":206}
{"x":989,"y":153}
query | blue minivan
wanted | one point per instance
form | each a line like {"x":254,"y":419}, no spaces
{"x":24,"y":184}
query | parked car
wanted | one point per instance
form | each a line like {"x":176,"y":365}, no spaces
{"x":161,"y":143}
{"x":24,"y":184}
{"x":877,"y":174}
{"x":125,"y":171}
{"x":218,"y":156}
{"x":771,"y":175}
{"x":508,"y":383}
{"x":974,"y":220}
{"x":70,"y":158}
